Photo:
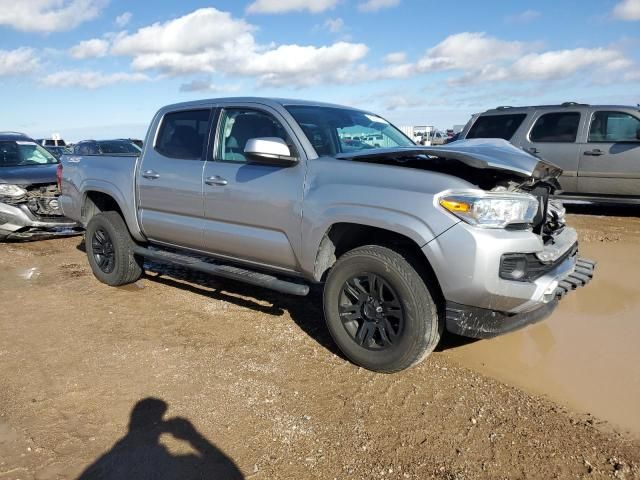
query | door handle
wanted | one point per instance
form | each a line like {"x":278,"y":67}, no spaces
{"x":150,"y":174}
{"x":594,"y":153}
{"x":215,"y":180}
{"x":534,"y":150}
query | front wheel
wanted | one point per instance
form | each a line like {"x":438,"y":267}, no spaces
{"x":110,"y":250}
{"x":379,"y":310}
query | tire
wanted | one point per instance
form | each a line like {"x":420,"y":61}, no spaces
{"x":109,"y":249}
{"x":390,"y":330}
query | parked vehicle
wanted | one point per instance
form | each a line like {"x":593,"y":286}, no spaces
{"x":106,"y":147}
{"x":51,"y":142}
{"x":438,"y":138}
{"x":406,"y":240}
{"x":29,"y":205}
{"x":597,"y":146}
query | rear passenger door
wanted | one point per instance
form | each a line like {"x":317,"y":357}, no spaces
{"x":554,"y":137}
{"x":610,"y":158}
{"x":170,"y":200}
{"x":253,"y":212}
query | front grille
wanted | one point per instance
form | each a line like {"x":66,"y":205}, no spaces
{"x":525,"y":267}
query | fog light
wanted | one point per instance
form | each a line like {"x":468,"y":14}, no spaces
{"x":513,"y":267}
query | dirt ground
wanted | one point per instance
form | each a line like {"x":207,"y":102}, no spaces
{"x":183,"y":376}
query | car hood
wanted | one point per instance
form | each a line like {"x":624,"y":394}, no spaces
{"x":481,"y":153}
{"x":29,"y":174}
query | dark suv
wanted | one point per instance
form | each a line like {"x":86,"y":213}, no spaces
{"x":598,"y":147}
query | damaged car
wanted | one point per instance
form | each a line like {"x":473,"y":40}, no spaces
{"x":405,"y":241}
{"x":29,"y":207}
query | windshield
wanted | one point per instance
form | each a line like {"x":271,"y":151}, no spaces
{"x":118,"y":146}
{"x":333,"y":130}
{"x":18,"y":153}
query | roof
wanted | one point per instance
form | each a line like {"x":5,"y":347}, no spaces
{"x":273,"y":102}
{"x":572,"y":105}
{"x":4,"y":136}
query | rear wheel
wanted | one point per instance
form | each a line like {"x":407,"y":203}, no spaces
{"x":110,"y":250}
{"x":379,"y":310}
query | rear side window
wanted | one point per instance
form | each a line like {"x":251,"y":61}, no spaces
{"x":611,"y":127}
{"x":561,"y":127}
{"x":184,"y":134}
{"x":496,"y":126}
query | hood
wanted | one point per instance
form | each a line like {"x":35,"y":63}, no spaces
{"x":29,"y":174}
{"x":480,"y":153}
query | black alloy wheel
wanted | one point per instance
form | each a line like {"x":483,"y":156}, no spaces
{"x":103,"y":251}
{"x":371,"y":312}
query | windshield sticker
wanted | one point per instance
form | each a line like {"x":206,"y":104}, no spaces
{"x":22,"y":142}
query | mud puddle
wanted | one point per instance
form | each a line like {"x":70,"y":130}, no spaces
{"x":586,"y":355}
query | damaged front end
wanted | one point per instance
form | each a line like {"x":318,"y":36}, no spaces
{"x":32,"y":212}
{"x":511,"y":257}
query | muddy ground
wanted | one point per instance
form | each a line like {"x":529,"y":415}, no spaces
{"x":182,"y":376}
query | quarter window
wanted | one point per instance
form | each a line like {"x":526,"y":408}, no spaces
{"x":496,"y":126}
{"x":611,"y":127}
{"x":561,"y":127}
{"x":184,"y":134}
{"x":240,"y":125}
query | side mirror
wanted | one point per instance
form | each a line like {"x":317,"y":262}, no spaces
{"x":269,"y":151}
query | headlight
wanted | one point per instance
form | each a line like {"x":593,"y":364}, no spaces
{"x":490,"y":209}
{"x":9,"y":190}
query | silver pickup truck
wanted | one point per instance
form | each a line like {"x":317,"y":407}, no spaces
{"x":406,"y":240}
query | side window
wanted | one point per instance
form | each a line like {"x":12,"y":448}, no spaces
{"x":496,"y":126}
{"x":238,"y":125}
{"x":560,"y":127}
{"x":183,"y":134}
{"x":613,"y":127}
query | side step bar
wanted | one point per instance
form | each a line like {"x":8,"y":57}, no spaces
{"x":226,"y":271}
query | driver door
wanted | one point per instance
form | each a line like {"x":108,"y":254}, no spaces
{"x":252,"y":212}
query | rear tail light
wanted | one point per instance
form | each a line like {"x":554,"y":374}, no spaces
{"x":59,"y":177}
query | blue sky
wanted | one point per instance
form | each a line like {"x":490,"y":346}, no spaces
{"x":101,"y":68}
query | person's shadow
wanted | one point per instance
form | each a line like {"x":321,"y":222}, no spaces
{"x":140,"y":455}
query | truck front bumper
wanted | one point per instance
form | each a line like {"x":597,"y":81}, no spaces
{"x":18,"y":222}
{"x":485,"y":323}
{"x":481,"y":304}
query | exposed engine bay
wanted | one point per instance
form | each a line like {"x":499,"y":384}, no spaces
{"x":540,"y":180}
{"x":41,"y":200}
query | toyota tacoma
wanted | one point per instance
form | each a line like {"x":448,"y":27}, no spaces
{"x":407,"y":241}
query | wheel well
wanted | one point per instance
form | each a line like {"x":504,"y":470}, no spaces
{"x":342,"y":237}
{"x":96,"y":202}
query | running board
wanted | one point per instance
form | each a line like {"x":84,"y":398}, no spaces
{"x":226,"y":271}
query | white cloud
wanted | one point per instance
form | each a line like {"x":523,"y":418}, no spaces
{"x":550,"y":66}
{"x":334,"y":25}
{"x":190,"y":34}
{"x":627,"y":10}
{"x":469,"y":50}
{"x":303,"y":65}
{"x":90,"y":79}
{"x":527,"y":16}
{"x":48,"y":15}
{"x":395,"y":57}
{"x":124,"y":19}
{"x":284,"y":6}
{"x":93,"y":48}
{"x":375,"y":5}
{"x":189,"y":45}
{"x":207,"y":85}
{"x":18,"y":61}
